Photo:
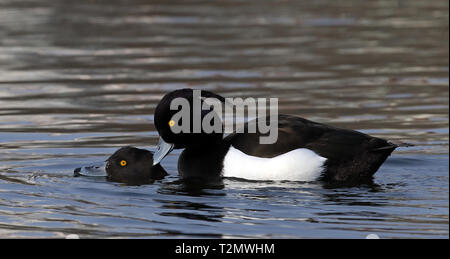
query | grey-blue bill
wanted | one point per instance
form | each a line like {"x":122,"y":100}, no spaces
{"x":97,"y":169}
{"x":162,"y":150}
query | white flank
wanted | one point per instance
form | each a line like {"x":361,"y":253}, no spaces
{"x":297,"y":165}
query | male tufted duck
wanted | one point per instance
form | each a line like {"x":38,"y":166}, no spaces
{"x":304,"y":150}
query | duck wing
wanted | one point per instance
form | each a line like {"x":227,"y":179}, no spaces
{"x":347,"y":151}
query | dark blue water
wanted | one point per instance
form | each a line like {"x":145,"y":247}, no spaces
{"x":79,"y":80}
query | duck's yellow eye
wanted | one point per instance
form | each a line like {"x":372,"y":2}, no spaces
{"x":171,"y":123}
{"x":123,"y":163}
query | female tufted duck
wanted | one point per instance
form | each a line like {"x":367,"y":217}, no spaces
{"x":128,"y":165}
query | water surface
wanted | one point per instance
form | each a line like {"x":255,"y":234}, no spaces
{"x":80,"y":79}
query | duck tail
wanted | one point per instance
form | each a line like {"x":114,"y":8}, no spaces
{"x":393,"y":145}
